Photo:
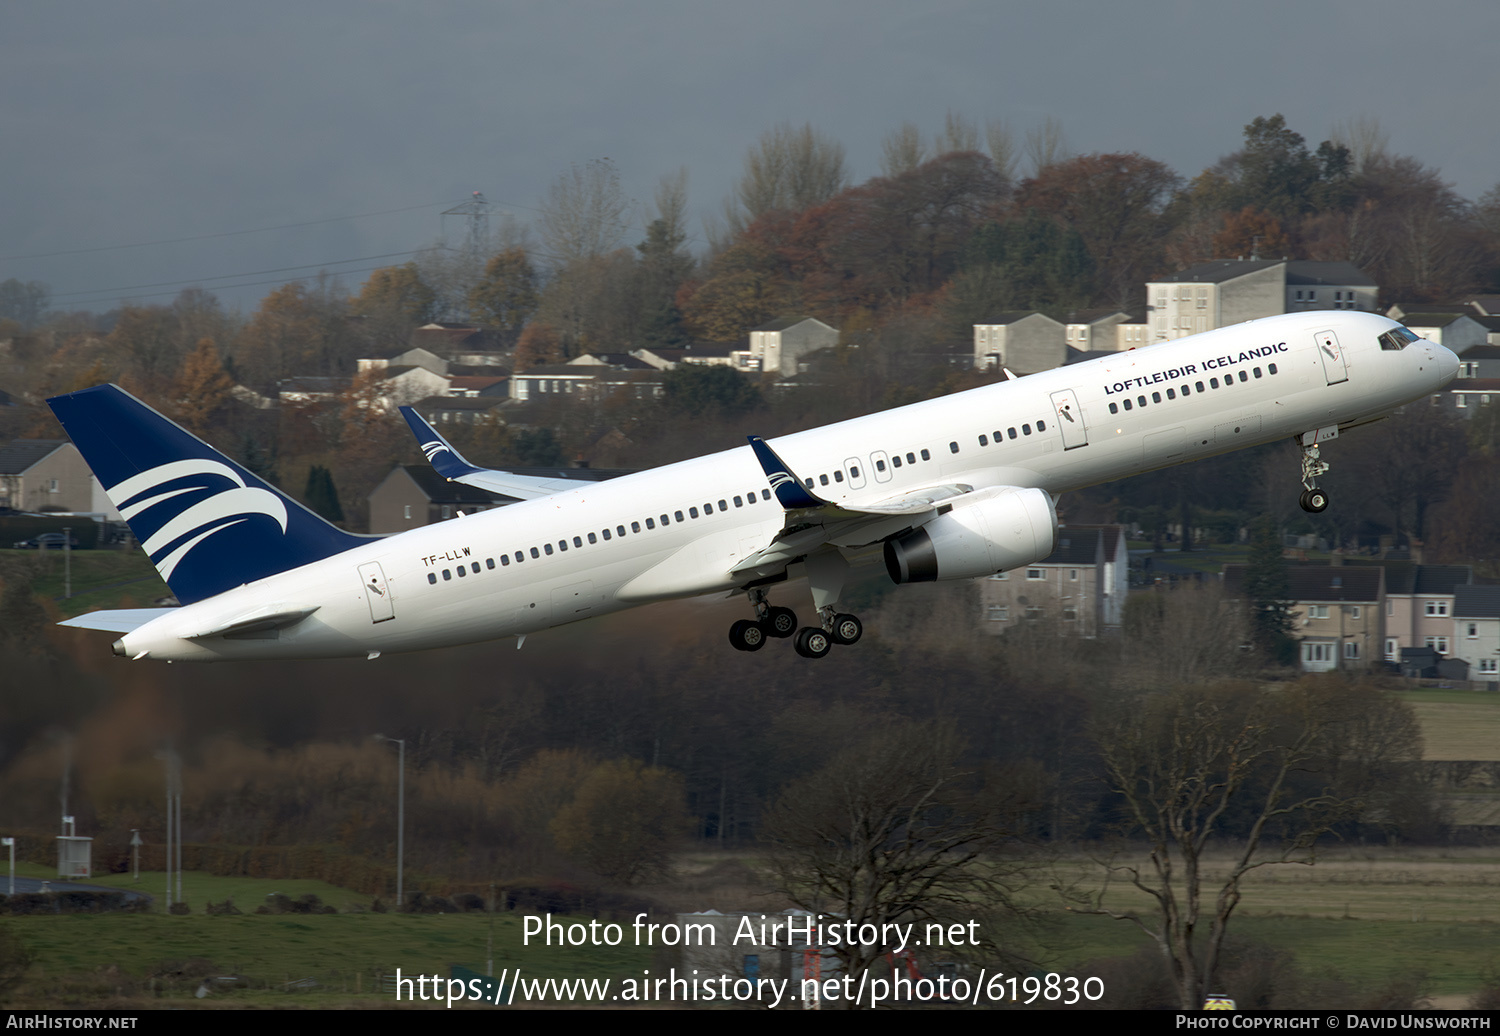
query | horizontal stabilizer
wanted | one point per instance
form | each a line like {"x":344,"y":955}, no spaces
{"x":121,"y":620}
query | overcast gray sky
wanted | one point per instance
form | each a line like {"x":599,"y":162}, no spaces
{"x":134,"y":122}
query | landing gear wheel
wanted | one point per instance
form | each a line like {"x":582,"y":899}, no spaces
{"x":781,"y":622}
{"x":847,"y":629}
{"x":747,"y":635}
{"x":813,"y":642}
{"x":1314,"y":501}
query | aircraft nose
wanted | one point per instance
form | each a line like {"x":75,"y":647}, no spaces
{"x":1447,"y":362}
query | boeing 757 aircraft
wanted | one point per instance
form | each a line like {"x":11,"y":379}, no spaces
{"x":952,"y":488}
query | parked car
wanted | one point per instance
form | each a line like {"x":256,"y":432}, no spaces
{"x":48,"y":541}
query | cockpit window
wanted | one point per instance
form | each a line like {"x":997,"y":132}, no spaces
{"x":1398,"y":338}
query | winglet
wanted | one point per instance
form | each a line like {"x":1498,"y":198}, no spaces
{"x":789,"y":490}
{"x":445,"y":460}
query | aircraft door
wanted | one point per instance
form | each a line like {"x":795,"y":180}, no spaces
{"x":377,"y":593}
{"x":880,"y":466}
{"x":854,"y":468}
{"x":1070,"y":419}
{"x":1335,"y":367}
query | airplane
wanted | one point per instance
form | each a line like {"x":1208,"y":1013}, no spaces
{"x":956,"y":487}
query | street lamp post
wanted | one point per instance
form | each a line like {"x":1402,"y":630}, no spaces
{"x":12,"y":843}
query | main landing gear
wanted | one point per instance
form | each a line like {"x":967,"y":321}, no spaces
{"x":835,"y":627}
{"x":1313,"y":499}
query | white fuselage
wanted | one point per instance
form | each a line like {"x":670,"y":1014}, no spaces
{"x":1015,"y":433}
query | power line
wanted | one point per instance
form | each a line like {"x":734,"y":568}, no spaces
{"x":231,"y":276}
{"x":220,"y":287}
{"x":227,"y":233}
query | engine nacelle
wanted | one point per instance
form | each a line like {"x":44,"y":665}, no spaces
{"x":987,"y":532}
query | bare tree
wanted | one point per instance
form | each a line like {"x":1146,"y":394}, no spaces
{"x":892,"y":831}
{"x":902,"y":150}
{"x":959,"y":134}
{"x":1365,"y":138}
{"x":1046,"y":145}
{"x":1262,"y":768}
{"x":789,"y":169}
{"x":585,"y":214}
{"x":1002,"y":145}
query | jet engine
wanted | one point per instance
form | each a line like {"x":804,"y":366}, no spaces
{"x":984,"y":533}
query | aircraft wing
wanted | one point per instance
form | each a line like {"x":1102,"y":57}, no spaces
{"x":449,"y":463}
{"x":119,"y":620}
{"x":812,"y":521}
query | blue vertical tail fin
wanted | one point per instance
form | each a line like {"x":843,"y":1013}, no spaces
{"x":207,"y":523}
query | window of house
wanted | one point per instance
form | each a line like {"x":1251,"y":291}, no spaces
{"x":1351,"y":650}
{"x":1437,"y":609}
{"x":1069,"y":613}
{"x":1489,"y":665}
{"x":1035,"y":573}
{"x":407,"y":511}
{"x":1438,"y":644}
{"x":1354,"y":611}
{"x":998,"y":612}
{"x":1313,"y":651}
{"x":1317,"y":611}
{"x":1471,"y":630}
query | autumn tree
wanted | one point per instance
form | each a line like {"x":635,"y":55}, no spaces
{"x":202,"y":389}
{"x":624,"y":821}
{"x":1118,"y":205}
{"x":299,"y":329}
{"x":1253,"y":234}
{"x":392,"y":301}
{"x":507,"y":296}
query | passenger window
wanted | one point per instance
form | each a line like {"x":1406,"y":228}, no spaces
{"x":1127,"y":404}
{"x":1041,"y":426}
{"x":838,"y":476}
{"x":605,"y":533}
{"x":1114,"y":408}
{"x":1171,"y":394}
{"x":723,"y":505}
{"x":520,"y":557}
{"x":692,"y":512}
{"x":593,"y":538}
{"x":475,"y":567}
{"x":504,"y":560}
{"x":1257,"y":372}
{"x":489,"y":563}
{"x":547,"y":548}
{"x":854,"y":471}
{"x":634,"y":527}
{"x":665,"y":521}
{"x":823,"y":480}
{"x":1140,"y":400}
{"x":953,"y":447}
{"x":536,"y":553}
{"x":984,"y":440}
{"x":1271,"y":368}
{"x":432,"y":577}
{"x":911,"y":458}
{"x":765,"y":494}
{"x":1244,"y":376}
{"x":1186,"y":392}
{"x":880,"y":465}
{"x":896,"y":460}
{"x":650,"y":523}
{"x":1011,"y":432}
{"x":1213,"y":382}
{"x":577,"y":541}
{"x":708,"y":509}
{"x":620,"y":531}
{"x":447,"y":576}
{"x":462,"y":571}
{"x":562,"y":544}
{"x":737,"y":502}
{"x":1026,"y":429}
{"x":678,"y":514}
{"x":926,"y":455}
{"x":1199,"y":386}
{"x":1156,"y":397}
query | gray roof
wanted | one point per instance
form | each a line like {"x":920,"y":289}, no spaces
{"x":1298,"y":271}
{"x":1477,"y":602}
{"x":1317,"y":582}
{"x":1011,"y":316}
{"x":20,"y":454}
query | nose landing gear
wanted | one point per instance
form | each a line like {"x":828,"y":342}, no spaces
{"x":1313,"y":499}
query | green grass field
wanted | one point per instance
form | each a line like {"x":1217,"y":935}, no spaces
{"x":104,"y":578}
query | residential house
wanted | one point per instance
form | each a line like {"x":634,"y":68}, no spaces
{"x":700,"y":354}
{"x":1224,"y":292}
{"x":1419,"y":605}
{"x":1082,"y":584}
{"x":1023,"y":341}
{"x":49,"y":475}
{"x":1091,"y":330}
{"x":1448,"y":325}
{"x":1335,"y":611}
{"x":1476,"y":630}
{"x":594,"y":377}
{"x":781,"y":346}
{"x":413,"y":495}
{"x":441,"y":410}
